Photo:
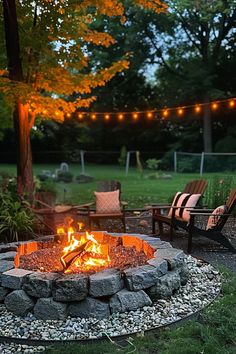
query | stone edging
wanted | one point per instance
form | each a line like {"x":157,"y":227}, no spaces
{"x":52,"y":296}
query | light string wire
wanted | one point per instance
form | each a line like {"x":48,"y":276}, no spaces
{"x":165,"y":111}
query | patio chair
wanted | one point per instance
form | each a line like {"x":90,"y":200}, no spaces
{"x":108,"y":204}
{"x":217,"y":219}
{"x":162,"y":214}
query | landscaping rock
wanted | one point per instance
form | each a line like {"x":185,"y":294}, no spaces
{"x":126,"y":300}
{"x":48,"y":309}
{"x":173,"y":256}
{"x":89,"y":308}
{"x":105,"y":283}
{"x":3,"y":293}
{"x":8,"y":256}
{"x":19,"y":302}
{"x":141,"y":277}
{"x":6,"y":265}
{"x":39,"y":284}
{"x":184,"y":274}
{"x":13,"y":278}
{"x":160,"y":265}
{"x":165,"y":286}
{"x":70,"y":288}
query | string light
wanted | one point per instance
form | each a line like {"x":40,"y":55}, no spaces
{"x":214,"y":106}
{"x":68,"y":115}
{"x":150,"y":114}
{"x":44,"y":111}
{"x":165,"y":113}
{"x":57,"y":113}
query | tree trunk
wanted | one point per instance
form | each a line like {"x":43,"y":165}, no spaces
{"x":22,"y":126}
{"x":207,"y":127}
{"x":25,"y":183}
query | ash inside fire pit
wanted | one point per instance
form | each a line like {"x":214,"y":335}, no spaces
{"x":48,"y":260}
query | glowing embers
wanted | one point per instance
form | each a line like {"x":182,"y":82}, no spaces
{"x":82,"y":250}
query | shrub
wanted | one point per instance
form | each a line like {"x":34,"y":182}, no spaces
{"x":16,"y":221}
{"x":153,"y":164}
{"x":218,"y":190}
{"x":64,"y":176}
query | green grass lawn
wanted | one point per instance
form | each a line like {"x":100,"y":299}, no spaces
{"x":136,"y":189}
{"x":213,"y":333}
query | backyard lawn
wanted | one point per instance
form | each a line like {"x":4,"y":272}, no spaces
{"x":137,"y":189}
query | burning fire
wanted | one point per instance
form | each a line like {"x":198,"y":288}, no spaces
{"x":81,"y":250}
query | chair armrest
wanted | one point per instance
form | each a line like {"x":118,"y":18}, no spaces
{"x":157,"y":207}
{"x":43,"y":204}
{"x":208,"y":214}
{"x":84,"y":206}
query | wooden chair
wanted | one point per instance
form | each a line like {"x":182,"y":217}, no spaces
{"x":160,"y":217}
{"x":95,"y":217}
{"x":215,"y":233}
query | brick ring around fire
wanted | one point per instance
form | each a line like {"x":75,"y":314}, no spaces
{"x":54,"y":296}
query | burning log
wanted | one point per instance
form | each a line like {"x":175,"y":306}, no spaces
{"x":69,"y":258}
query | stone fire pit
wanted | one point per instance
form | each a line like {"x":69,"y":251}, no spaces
{"x":55,"y":295}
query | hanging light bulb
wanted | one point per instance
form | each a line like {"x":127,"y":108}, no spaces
{"x":121,"y":116}
{"x":107,"y":116}
{"x":231,"y":103}
{"x":197,"y":109}
{"x":150,"y":115}
{"x":135,"y":116}
{"x":80,"y":116}
{"x":68,"y":115}
{"x":180,"y":111}
{"x":94,"y":117}
{"x":57,"y":113}
{"x":214,"y":106}
{"x":165,"y":113}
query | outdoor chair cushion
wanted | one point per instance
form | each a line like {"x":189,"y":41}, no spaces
{"x":214,"y":218}
{"x":107,"y":202}
{"x":185,"y":200}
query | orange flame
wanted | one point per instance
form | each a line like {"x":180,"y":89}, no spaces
{"x":92,"y":255}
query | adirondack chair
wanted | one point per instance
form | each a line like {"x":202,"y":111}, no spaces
{"x":160,"y":213}
{"x":215,"y":232}
{"x":95,"y":216}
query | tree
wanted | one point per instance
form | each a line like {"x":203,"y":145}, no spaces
{"x":194,"y":53}
{"x":46,"y":71}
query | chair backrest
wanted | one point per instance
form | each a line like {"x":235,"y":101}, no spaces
{"x":109,"y":186}
{"x":196,"y":187}
{"x":230,"y":204}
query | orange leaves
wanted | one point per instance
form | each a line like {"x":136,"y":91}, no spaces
{"x":155,"y":5}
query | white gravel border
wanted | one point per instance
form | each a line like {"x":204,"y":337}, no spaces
{"x":203,"y":286}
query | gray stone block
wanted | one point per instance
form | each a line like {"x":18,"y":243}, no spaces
{"x":70,"y":288}
{"x":3,"y":293}
{"x":141,"y":277}
{"x":39,"y":284}
{"x":8,"y":256}
{"x":8,"y":247}
{"x":19,"y":302}
{"x":105,"y":283}
{"x":13,"y":278}
{"x":48,"y":309}
{"x":173,"y":256}
{"x":89,"y":308}
{"x":6,"y":265}
{"x":160,"y":265}
{"x":165,"y":286}
{"x":184,"y":274}
{"x":126,"y":300}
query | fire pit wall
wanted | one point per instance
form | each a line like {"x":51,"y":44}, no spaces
{"x":54,"y":296}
